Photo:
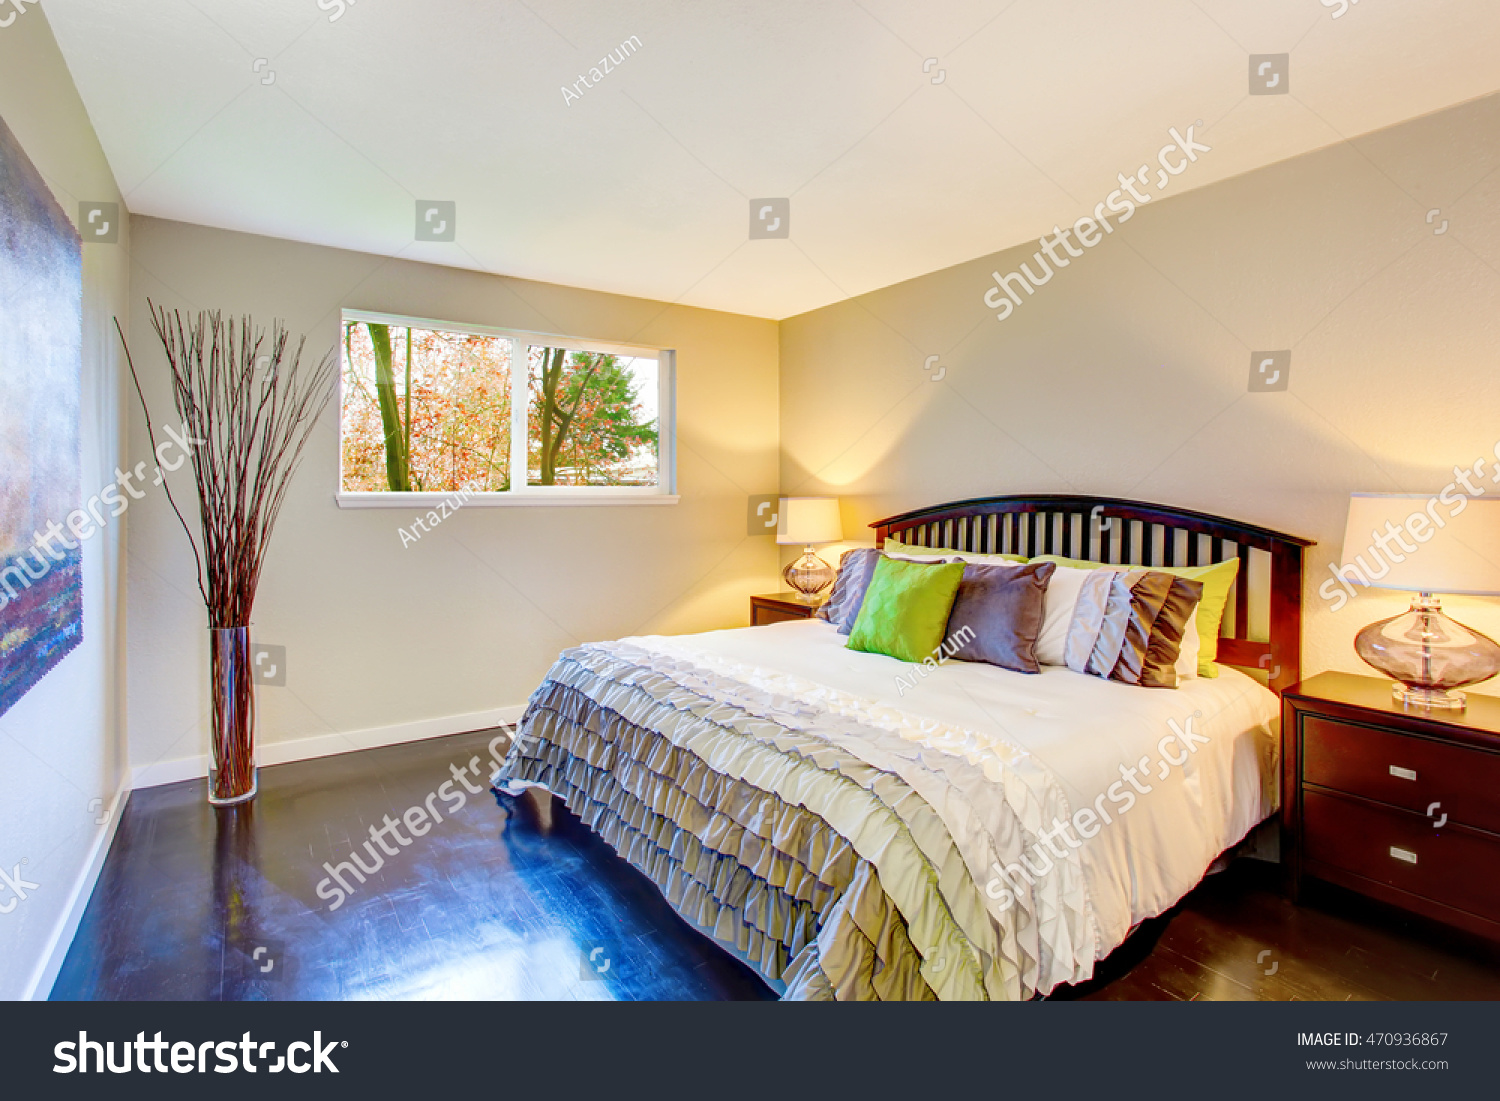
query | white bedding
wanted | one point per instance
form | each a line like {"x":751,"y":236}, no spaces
{"x":1210,"y":750}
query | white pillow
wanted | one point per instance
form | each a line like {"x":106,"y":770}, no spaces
{"x":1057,"y":614}
{"x":1187,"y":657}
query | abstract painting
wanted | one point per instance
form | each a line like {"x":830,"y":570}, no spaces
{"x":41,"y":358}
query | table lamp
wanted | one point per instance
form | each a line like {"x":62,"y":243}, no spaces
{"x":809,"y":520}
{"x":1410,"y":542}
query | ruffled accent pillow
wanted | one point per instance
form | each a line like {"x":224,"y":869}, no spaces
{"x":1217,"y":578}
{"x":1169,"y":634}
{"x":1128,"y":625}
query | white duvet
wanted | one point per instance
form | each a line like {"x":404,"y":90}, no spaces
{"x":1152,"y":784}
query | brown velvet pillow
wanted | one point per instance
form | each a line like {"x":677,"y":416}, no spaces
{"x":1159,"y":668}
{"x":997,"y":614}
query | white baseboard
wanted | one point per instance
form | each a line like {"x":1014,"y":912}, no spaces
{"x":331,"y":745}
{"x":40,"y":985}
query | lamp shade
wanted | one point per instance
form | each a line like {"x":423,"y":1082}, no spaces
{"x":1419,"y":543}
{"x":806,"y":520}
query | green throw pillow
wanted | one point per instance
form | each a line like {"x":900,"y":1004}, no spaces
{"x":905,"y":612}
{"x":1217,"y":580}
{"x":895,"y":546}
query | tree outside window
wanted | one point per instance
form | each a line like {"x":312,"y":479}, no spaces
{"x":430,"y":410}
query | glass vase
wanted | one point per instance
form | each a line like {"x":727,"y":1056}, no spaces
{"x":232,"y":777}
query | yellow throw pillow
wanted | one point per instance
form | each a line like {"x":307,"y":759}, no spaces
{"x":895,"y":546}
{"x":1217,"y":580}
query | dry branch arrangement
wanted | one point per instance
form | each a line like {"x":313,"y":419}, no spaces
{"x":248,"y":410}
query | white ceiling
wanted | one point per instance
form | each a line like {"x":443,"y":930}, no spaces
{"x":642,"y":186}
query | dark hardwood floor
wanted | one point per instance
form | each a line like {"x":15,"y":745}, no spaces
{"x":1236,"y":938}
{"x":490,"y":902}
{"x":485,"y":905}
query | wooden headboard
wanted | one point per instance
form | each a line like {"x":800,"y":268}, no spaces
{"x":1263,"y":621}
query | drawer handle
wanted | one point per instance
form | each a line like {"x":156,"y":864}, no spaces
{"x":1403,"y":773}
{"x":1404,"y":854}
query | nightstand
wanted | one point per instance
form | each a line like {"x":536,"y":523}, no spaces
{"x":1401,"y":805}
{"x":779,"y":607}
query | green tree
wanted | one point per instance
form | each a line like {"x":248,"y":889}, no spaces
{"x":586,"y":407}
{"x":397,"y":427}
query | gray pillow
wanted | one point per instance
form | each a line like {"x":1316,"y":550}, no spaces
{"x":998,"y":614}
{"x":856,"y":567}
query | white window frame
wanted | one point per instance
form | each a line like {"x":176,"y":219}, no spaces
{"x":523,"y":495}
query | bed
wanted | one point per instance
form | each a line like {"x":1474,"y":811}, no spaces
{"x":856,"y":832}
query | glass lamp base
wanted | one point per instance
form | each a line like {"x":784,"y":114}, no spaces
{"x":1429,"y":699}
{"x":1429,"y":655}
{"x":808,"y":576}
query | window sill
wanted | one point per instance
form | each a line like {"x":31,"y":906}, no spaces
{"x":582,"y":499}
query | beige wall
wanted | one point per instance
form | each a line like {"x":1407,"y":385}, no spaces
{"x":468,"y":619}
{"x":1127,"y":373}
{"x":61,"y":745}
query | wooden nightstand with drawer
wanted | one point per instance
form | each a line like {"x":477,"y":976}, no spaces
{"x":1402,"y":805}
{"x":778,"y":607}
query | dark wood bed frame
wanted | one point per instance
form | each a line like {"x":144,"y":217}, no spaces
{"x":1106,"y":529}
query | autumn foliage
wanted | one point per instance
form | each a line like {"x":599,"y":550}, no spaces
{"x":428,"y":410}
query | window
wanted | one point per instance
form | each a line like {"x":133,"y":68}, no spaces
{"x":503,"y":417}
